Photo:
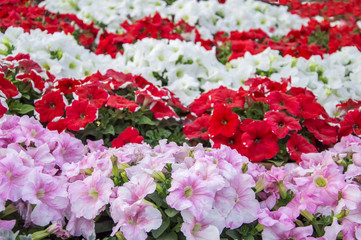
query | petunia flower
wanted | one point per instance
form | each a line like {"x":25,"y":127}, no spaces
{"x":89,"y":197}
{"x":231,"y":98}
{"x":135,"y":220}
{"x":281,"y":123}
{"x":129,"y":135}
{"x":297,"y":145}
{"x":96,"y":95}
{"x":3,"y":107}
{"x":279,"y":101}
{"x":198,"y":128}
{"x":49,"y":195}
{"x":260,"y":142}
{"x":79,"y":114}
{"x":120,"y":102}
{"x":351,"y":123}
{"x":7,"y":89}
{"x":223,"y":121}
{"x":238,"y":201}
{"x":50,"y":106}
{"x":323,"y":131}
{"x":189,"y":191}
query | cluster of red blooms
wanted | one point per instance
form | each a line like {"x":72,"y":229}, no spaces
{"x":148,"y":27}
{"x":24,"y":14}
{"x":98,"y":90}
{"x":317,"y":38}
{"x":268,"y":119}
{"x":335,"y":9}
{"x":72,"y":104}
{"x":27,"y":72}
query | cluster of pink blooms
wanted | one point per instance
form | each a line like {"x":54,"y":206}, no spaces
{"x":52,"y":178}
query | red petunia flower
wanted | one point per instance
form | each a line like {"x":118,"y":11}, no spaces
{"x":96,"y":96}
{"x":297,"y":145}
{"x":129,"y":135}
{"x":351,"y":123}
{"x":260,"y":141}
{"x":202,"y":104}
{"x":198,"y":128}
{"x":323,"y":131}
{"x":7,"y":89}
{"x":279,"y":101}
{"x":231,"y":98}
{"x":345,"y":107}
{"x":50,"y":106}
{"x":121,"y":103}
{"x":3,"y":107}
{"x":67,"y":85}
{"x":309,"y":108}
{"x":223,"y":121}
{"x":234,"y":142}
{"x":281,"y":123}
{"x":162,"y":111}
{"x":59,"y":125}
{"x":36,"y":80}
{"x":79,"y":114}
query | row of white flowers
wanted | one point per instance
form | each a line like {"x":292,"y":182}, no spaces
{"x":190,"y":69}
{"x":209,"y":16}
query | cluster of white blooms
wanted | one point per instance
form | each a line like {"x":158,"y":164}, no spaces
{"x":333,"y":79}
{"x":58,"y":53}
{"x":106,"y":12}
{"x":187,"y":67}
{"x":209,"y":16}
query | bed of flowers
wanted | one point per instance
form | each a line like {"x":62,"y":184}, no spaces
{"x":176,"y":119}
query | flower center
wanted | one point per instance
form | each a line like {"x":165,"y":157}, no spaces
{"x":257,"y":139}
{"x":196,"y":227}
{"x":231,"y":141}
{"x":355,"y":126}
{"x":320,"y":181}
{"x":52,"y":105}
{"x":224,"y":122}
{"x":203,"y":129}
{"x":82,"y":115}
{"x":8,"y":174}
{"x":282,"y":103}
{"x":40,"y":193}
{"x":229,"y":100}
{"x":188,"y":191}
{"x":94,"y":193}
{"x":281,"y":124}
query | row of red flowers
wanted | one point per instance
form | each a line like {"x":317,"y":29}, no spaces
{"x":317,"y":38}
{"x":282,"y":120}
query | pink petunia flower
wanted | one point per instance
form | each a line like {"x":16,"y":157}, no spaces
{"x":49,"y":194}
{"x":189,"y":191}
{"x":12,"y":175}
{"x":135,"y":220}
{"x":238,"y":201}
{"x":89,"y":197}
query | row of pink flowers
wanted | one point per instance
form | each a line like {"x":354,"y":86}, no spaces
{"x":49,"y":177}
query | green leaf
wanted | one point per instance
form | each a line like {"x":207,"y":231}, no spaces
{"x":104,"y":226}
{"x":233,"y":234}
{"x":164,"y":133}
{"x":158,"y":232}
{"x":109,"y":130}
{"x":146,"y":120}
{"x":25,"y":108}
{"x":169,"y":236}
{"x":171,"y":212}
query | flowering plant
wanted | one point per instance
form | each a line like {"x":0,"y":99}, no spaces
{"x":270,"y":121}
{"x":169,"y":191}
